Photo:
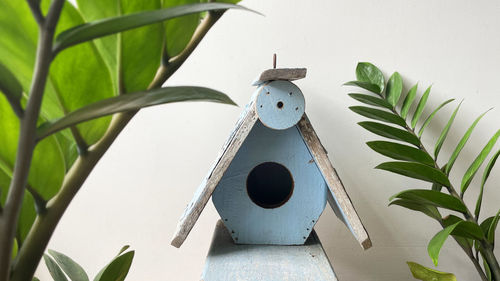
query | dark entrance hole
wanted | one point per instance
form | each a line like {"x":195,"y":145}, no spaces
{"x":280,"y":104}
{"x":270,"y":185}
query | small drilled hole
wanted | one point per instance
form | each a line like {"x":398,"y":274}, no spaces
{"x":232,"y":231}
{"x":290,"y":93}
{"x":267,"y":93}
{"x":261,"y":106}
{"x":225,"y":219}
{"x":304,"y":237}
{"x":296,"y":108}
{"x":307,"y":229}
{"x":280,"y":104}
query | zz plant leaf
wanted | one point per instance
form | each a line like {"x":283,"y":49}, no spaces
{"x":416,"y":162}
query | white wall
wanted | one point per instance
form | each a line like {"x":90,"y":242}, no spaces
{"x":140,"y":188}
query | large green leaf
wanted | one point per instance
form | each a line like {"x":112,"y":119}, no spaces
{"x":178,"y":31}
{"x":421,"y":272}
{"x":427,"y":209}
{"x":113,"y":25}
{"x":90,"y":81}
{"x":462,"y":143}
{"x":390,"y":132}
{"x":486,"y":174}
{"x":432,"y":197}
{"x":54,"y":270}
{"x":394,"y":88}
{"x":367,"y":72}
{"x":472,"y":170}
{"x":420,"y":107}
{"x":117,"y":269}
{"x":416,"y":171}
{"x":412,"y":93}
{"x":47,"y":167}
{"x":401,"y":152}
{"x":365,"y":85}
{"x":429,"y":118}
{"x":11,"y":88}
{"x":74,"y":271}
{"x":378,"y":114}
{"x":466,"y":229}
{"x":131,"y":102}
{"x":444,"y":132}
{"x":371,"y":100}
{"x":437,"y":242}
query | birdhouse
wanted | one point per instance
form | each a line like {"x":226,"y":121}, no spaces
{"x":271,"y":181}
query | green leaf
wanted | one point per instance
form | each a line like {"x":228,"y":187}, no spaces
{"x":371,"y":100}
{"x":378,"y":114}
{"x":117,"y":269}
{"x":390,"y":132}
{"x":178,"y":31}
{"x":429,"y":118}
{"x":74,"y":271}
{"x":444,"y":133}
{"x":54,"y":270}
{"x":15,"y":248}
{"x":420,"y":107}
{"x":133,"y":101}
{"x":35,"y":279}
{"x":47,"y":167}
{"x":408,"y":101}
{"x":365,"y":85}
{"x":427,"y":209}
{"x":432,"y":197}
{"x":401,"y":152}
{"x":462,"y":143}
{"x":416,"y":171}
{"x":11,"y":88}
{"x":421,"y":272}
{"x":123,"y":249}
{"x":394,"y":88}
{"x":367,"y":72}
{"x":466,"y":229}
{"x":101,"y":28}
{"x":90,"y":81}
{"x":491,"y":230}
{"x":437,"y":242}
{"x":472,"y":170}
{"x":486,"y":174}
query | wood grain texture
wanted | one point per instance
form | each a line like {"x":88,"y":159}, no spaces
{"x":280,"y":104}
{"x":227,"y":261}
{"x":288,"y":224}
{"x":288,"y":74}
{"x":206,"y":188}
{"x":339,"y":201}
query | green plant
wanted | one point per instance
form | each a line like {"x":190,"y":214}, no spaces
{"x":64,"y":69}
{"x":62,"y":267}
{"x":476,"y":237}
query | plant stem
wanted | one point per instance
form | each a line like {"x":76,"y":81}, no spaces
{"x":489,"y":256}
{"x":34,"y":246}
{"x":27,"y":135}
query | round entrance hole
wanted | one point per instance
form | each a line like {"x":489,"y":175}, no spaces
{"x":269,"y":185}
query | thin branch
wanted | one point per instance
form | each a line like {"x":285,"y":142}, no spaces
{"x":34,"y":246}
{"x":26,"y":145}
{"x":35,"y":10}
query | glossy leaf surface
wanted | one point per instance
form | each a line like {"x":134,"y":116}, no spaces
{"x":74,"y":271}
{"x":421,"y":272}
{"x":432,"y":197}
{"x":410,"y":97}
{"x":390,"y":132}
{"x":367,"y":72}
{"x":394,"y":89}
{"x":401,"y":152}
{"x":444,"y":132}
{"x":416,"y":171}
{"x":420,"y":107}
{"x":429,"y":118}
{"x":378,"y":114}
{"x":371,"y":100}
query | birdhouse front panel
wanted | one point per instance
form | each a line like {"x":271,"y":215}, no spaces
{"x":273,"y":191}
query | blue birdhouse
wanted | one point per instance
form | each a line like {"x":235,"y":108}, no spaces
{"x":273,"y":177}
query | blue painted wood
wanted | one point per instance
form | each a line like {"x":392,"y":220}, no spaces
{"x":227,"y":261}
{"x":289,"y":224}
{"x":280,"y":104}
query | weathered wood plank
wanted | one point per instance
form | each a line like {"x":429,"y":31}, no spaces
{"x":227,"y":261}
{"x":206,"y":188}
{"x":339,"y":200}
{"x":288,"y":74}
